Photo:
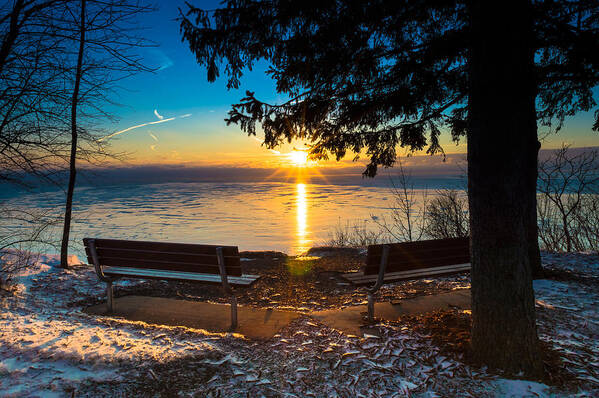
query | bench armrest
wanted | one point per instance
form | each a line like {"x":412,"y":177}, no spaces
{"x":223,"y":270}
{"x":96,"y":261}
{"x":382,"y":268}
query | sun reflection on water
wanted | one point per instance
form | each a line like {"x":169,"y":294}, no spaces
{"x":303,"y":242}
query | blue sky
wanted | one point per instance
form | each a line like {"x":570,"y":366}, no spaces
{"x":201,"y":138}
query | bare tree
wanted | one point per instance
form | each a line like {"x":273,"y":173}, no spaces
{"x":356,"y":234}
{"x":22,"y":231}
{"x":21,"y":19}
{"x":64,"y":249}
{"x":408,"y":216}
{"x":107,"y":45}
{"x":447,"y":215}
{"x":55,"y":84}
{"x":567,"y":211}
{"x":35,"y":93}
{"x":32,"y":106}
{"x":587,"y":221}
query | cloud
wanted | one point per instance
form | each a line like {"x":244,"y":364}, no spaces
{"x":158,"y":59}
{"x":106,"y":137}
{"x":159,"y":116}
{"x":167,"y":63}
{"x":431,"y":178}
{"x":261,"y":141}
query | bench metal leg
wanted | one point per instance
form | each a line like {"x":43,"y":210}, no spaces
{"x":110,"y":297}
{"x":370,"y":307}
{"x":233,"y":312}
{"x":226,"y":287}
{"x":379,"y":282}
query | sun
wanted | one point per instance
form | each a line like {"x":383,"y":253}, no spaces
{"x":298,"y":158}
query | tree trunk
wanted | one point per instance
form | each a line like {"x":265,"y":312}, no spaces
{"x":500,"y":157}
{"x":64,"y":249}
{"x":566,"y":232}
{"x":11,"y":35}
{"x":534,"y":254}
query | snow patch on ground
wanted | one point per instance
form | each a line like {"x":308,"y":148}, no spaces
{"x":50,"y":347}
{"x":45,"y":336}
{"x":519,"y":388}
{"x":583,"y":263}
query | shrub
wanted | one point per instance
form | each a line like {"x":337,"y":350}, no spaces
{"x":447,"y":215}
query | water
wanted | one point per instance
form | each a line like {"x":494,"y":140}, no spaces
{"x":288,"y":217}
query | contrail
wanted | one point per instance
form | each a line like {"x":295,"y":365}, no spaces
{"x":142,"y":125}
{"x":159,"y":116}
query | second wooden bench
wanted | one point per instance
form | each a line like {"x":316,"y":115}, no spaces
{"x":411,"y":260}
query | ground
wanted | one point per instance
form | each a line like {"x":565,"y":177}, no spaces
{"x":50,"y":347}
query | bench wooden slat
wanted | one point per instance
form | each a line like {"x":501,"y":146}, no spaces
{"x":181,"y":257}
{"x":164,"y":247}
{"x":416,"y":255}
{"x":167,"y":266}
{"x":420,"y":272}
{"x":429,"y":246}
{"x":420,"y":245}
{"x":359,"y":278}
{"x":208,"y":259}
{"x":165,"y":260}
{"x":418,"y":263}
{"x":243,"y":280}
{"x":398,"y":254}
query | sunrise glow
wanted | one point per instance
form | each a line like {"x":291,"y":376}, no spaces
{"x":298,"y":158}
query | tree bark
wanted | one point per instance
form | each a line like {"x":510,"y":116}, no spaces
{"x":11,"y":35}
{"x":64,"y":250}
{"x":501,"y":154}
{"x":534,"y":254}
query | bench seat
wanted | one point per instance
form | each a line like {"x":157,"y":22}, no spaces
{"x":243,"y":280}
{"x":359,"y":278}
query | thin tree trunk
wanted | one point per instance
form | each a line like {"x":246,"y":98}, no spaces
{"x":566,"y":233}
{"x":500,"y":157}
{"x":64,"y":250}
{"x":11,"y":35}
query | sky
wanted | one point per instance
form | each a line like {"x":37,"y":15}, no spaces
{"x":174,"y":117}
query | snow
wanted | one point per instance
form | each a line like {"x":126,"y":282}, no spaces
{"x":584,"y":263}
{"x":519,"y":388}
{"x":46,"y":341}
{"x":50,"y":347}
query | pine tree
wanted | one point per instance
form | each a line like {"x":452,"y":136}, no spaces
{"x":369,"y":76}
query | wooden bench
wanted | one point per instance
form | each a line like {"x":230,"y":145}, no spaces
{"x":411,"y":260}
{"x":207,"y":264}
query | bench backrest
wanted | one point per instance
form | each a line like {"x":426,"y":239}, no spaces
{"x":164,"y":256}
{"x":419,"y":255}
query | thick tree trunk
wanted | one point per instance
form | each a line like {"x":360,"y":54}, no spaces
{"x":501,"y":152}
{"x":64,"y":249}
{"x":534,"y":254}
